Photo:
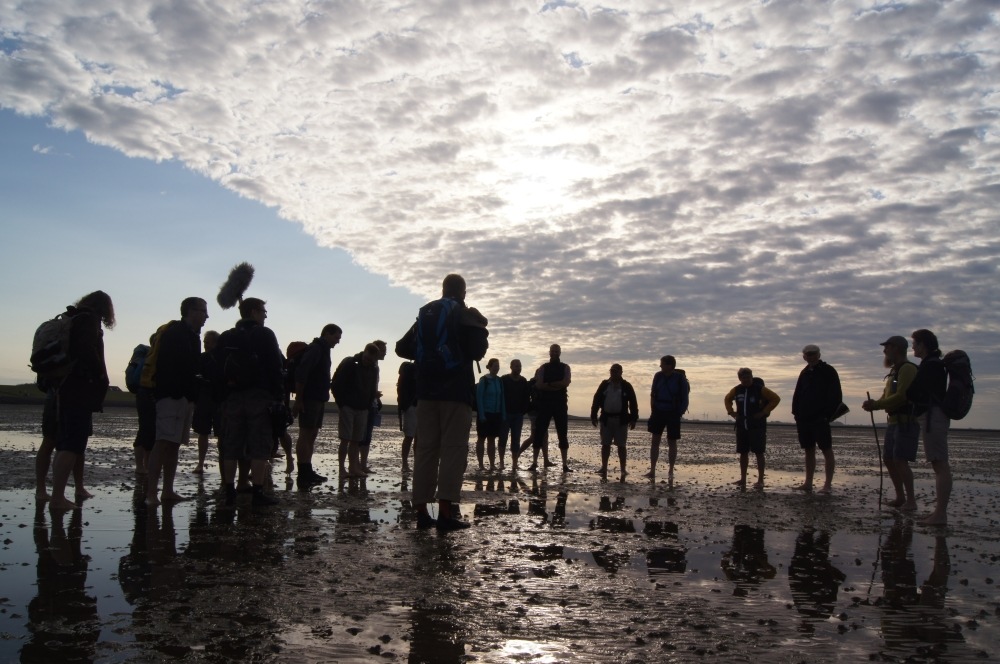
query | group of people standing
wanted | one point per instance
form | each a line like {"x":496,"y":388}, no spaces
{"x":247,"y":380}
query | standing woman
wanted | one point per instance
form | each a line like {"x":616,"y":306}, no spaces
{"x":491,"y":412}
{"x":82,"y":392}
{"x":927,"y":392}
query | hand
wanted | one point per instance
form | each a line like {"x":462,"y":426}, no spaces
{"x":631,"y":426}
{"x":868,"y":405}
{"x":594,"y":421}
{"x":732,"y":415}
{"x":759,"y":416}
{"x":297,"y":407}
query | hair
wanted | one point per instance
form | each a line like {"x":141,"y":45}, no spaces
{"x":330,"y":328}
{"x":744,"y":371}
{"x":927,"y":338}
{"x":492,"y":360}
{"x":211,"y":334}
{"x":616,"y":366}
{"x":250,"y":305}
{"x":453,"y":286}
{"x":382,"y":347}
{"x":372,"y":349}
{"x":100,"y":303}
{"x":189,"y":303}
{"x":669,"y":359}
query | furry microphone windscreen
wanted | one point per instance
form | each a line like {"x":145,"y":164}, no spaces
{"x":238,"y":282}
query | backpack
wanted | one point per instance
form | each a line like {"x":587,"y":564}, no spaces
{"x":147,"y":378}
{"x":958,"y":397}
{"x":50,"y":354}
{"x":133,"y":372}
{"x":293,"y":358}
{"x":241,"y":366}
{"x":438,"y":351}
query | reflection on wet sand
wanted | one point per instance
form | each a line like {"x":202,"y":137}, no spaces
{"x":813,"y":580}
{"x":62,"y":618}
{"x":746,"y":563}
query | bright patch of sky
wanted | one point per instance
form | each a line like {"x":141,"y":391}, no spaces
{"x":721,"y":181}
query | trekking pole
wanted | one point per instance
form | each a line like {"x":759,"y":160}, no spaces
{"x":878,"y":448}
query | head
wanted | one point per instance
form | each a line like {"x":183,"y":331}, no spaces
{"x":369,"y":357}
{"x":894,"y":350}
{"x":210,"y":340}
{"x":194,"y":312}
{"x":100,"y":303}
{"x":616,"y":373}
{"x":811,"y":354}
{"x":925,"y":343}
{"x":746,"y":376}
{"x":331,"y":334}
{"x":493,"y":366}
{"x":453,"y":286}
{"x":382,"y":348}
{"x":515,"y":367}
{"x":555,"y":352}
{"x":667,"y":364}
{"x":253,"y":308}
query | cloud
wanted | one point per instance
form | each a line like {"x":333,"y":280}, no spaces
{"x":732,"y":179}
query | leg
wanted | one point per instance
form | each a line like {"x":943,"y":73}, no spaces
{"x":480,"y":440}
{"x":286,"y":445}
{"x":760,"y":470}
{"x":202,"y":452}
{"x":342,"y":454}
{"x":407,"y":443}
{"x":744,"y":462}
{"x":156,"y":461}
{"x":170,"y":458}
{"x":942,"y":489}
{"x":605,"y":456}
{"x":304,"y":448}
{"x":491,"y":451}
{"x":830,"y":466}
{"x":62,"y":466}
{"x":42,"y":462}
{"x":807,"y":484}
{"x":654,"y":454}
{"x":622,"y":457}
{"x":81,"y":492}
{"x":671,"y":454}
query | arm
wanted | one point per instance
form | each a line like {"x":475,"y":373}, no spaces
{"x":595,"y":405}
{"x":896,"y":400}
{"x":728,"y":400}
{"x":771,"y":400}
{"x":633,"y":406}
{"x":480,"y":407}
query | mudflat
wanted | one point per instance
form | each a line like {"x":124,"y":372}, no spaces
{"x":556,"y":568}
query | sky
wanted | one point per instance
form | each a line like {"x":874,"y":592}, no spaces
{"x":720,"y":181}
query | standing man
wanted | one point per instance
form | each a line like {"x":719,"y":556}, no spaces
{"x":251,"y":361}
{"x":206,"y":408}
{"x":312,"y":391}
{"x":176,"y":388}
{"x":446,"y":339}
{"x":517,"y":392}
{"x":619,"y":411}
{"x":374,"y":411}
{"x":815,"y":401}
{"x":406,"y":404}
{"x":668,"y":400}
{"x":491,"y":412}
{"x":753,"y":403}
{"x":551,"y":381}
{"x":927,"y":392}
{"x":903,"y":434}
{"x":354,"y":388}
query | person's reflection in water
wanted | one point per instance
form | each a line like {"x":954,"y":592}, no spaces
{"x":62,"y":618}
{"x":813,"y":580}
{"x":669,"y":556}
{"x":914,"y":619}
{"x":559,"y":511}
{"x":745,"y":563}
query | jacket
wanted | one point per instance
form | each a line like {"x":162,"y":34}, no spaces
{"x":750,"y":401}
{"x":817,"y":393}
{"x":178,"y":363}
{"x":313,"y":371}
{"x":628,"y":409}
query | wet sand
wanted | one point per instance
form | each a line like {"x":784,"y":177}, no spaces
{"x":557,"y":568}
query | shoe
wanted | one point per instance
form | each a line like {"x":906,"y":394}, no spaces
{"x":425,"y":521}
{"x":305,"y":482}
{"x":549,"y":464}
{"x":567,"y":469}
{"x":261,"y":499}
{"x":533,"y":466}
{"x":448,"y":523}
{"x":316,"y":477}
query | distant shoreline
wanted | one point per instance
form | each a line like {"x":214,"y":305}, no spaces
{"x":28,"y":395}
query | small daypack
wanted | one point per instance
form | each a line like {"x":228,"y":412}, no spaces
{"x":958,"y":397}
{"x":133,"y":372}
{"x":50,"y":354}
{"x":293,"y":358}
{"x":147,"y":378}
{"x":438,"y":351}
{"x":241,"y":366}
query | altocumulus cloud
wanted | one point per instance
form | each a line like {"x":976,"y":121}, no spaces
{"x":724,"y":181}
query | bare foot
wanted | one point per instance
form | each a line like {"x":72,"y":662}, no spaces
{"x":172,"y":497}
{"x":804,"y":487}
{"x":896,"y":502}
{"x":152,"y":501}
{"x":742,"y":482}
{"x":62,"y":504}
{"x":908,"y":507}
{"x":933,"y":520}
{"x":759,"y":485}
{"x":41,"y":494}
{"x":623,"y":476}
{"x":198,"y":470}
{"x":826,"y":490}
{"x":651,"y":475}
{"x":289,"y":467}
{"x":83,"y":494}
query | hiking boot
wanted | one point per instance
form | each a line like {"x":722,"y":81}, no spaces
{"x":316,"y":477}
{"x":305,"y":482}
{"x":448,"y":523}
{"x":261,"y":499}
{"x":425,"y":521}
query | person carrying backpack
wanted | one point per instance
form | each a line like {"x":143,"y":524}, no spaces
{"x":312,"y":392}
{"x":80,"y":394}
{"x":749,"y":403}
{"x":927,"y":392}
{"x":668,"y":401}
{"x":445,"y":340}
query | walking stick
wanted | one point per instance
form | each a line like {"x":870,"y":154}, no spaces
{"x":878,"y":448}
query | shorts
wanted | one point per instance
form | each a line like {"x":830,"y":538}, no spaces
{"x":75,"y":427}
{"x":173,"y":420}
{"x":145,"y":407}
{"x":662,"y":419}
{"x":901,"y":441}
{"x":751,"y":440}
{"x":352,"y":424}
{"x":50,"y":416}
{"x":206,"y":417}
{"x":934,"y":426}
{"x":814,"y":434}
{"x":247,"y":432}
{"x":614,"y":430}
{"x":311,"y":416}
{"x":490,"y":427}
{"x":410,"y":422}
